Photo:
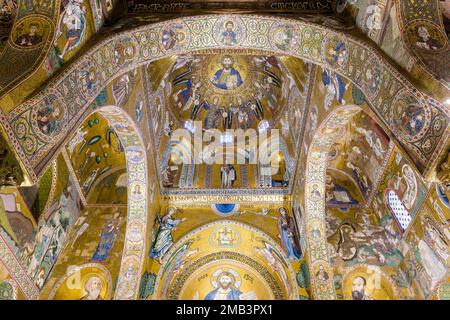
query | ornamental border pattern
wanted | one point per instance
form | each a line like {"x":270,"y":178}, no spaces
{"x":18,"y":273}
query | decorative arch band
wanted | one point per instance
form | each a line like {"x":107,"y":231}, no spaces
{"x":387,"y":91}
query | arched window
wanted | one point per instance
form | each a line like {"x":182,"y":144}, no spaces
{"x":398,"y":210}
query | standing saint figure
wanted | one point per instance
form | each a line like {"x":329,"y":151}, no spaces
{"x":107,"y":238}
{"x":227,"y":176}
{"x":164,"y":240}
{"x":289,"y":235}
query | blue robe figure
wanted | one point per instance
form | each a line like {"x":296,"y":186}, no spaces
{"x":229,"y":36}
{"x":288,"y":235}
{"x":164,"y":239}
{"x":186,"y":93}
{"x":107,"y":239}
{"x":138,"y":107}
{"x":227,"y":79}
{"x":338,"y":53}
{"x":415,"y":122}
{"x":232,"y":295}
{"x":338,"y":82}
{"x":339,"y":188}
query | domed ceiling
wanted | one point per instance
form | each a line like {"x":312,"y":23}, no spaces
{"x":226,"y":91}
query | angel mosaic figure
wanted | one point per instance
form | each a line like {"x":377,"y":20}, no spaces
{"x":289,"y":235}
{"x":164,"y":240}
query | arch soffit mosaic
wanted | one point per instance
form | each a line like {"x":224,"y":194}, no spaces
{"x":388,"y":94}
{"x":315,"y":203}
{"x":134,"y":249}
{"x":133,"y":253}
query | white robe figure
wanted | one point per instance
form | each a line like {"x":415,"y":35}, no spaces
{"x":224,"y":176}
{"x":228,"y":176}
{"x":231,"y":177}
{"x":434,"y":267}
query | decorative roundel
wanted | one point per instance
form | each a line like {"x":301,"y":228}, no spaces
{"x":8,"y":290}
{"x":134,"y":231}
{"x":30,"y":32}
{"x":322,"y":271}
{"x":30,"y":145}
{"x":89,"y":79}
{"x":229,"y":31}
{"x":174,"y":37}
{"x":340,"y":5}
{"x":21,"y":128}
{"x":410,"y":116}
{"x":284,"y":37}
{"x":135,"y":154}
{"x":439,"y":125}
{"x":444,"y":291}
{"x":49,"y":117}
{"x":427,"y":145}
{"x":315,"y":230}
{"x":125,"y":51}
{"x":258,"y":33}
{"x":225,"y":209}
{"x":426,"y":36}
{"x":138,"y":191}
{"x":370,"y":78}
{"x":149,"y":41}
{"x":335,"y":51}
